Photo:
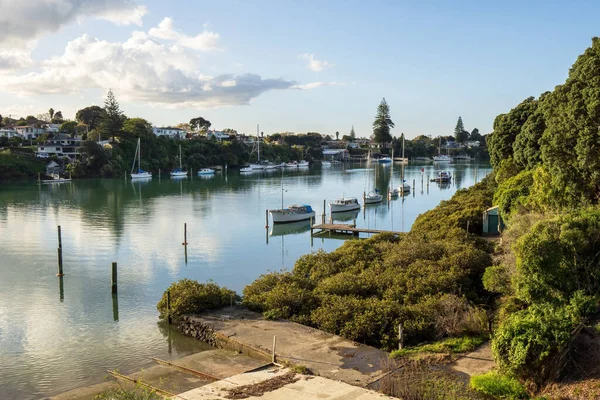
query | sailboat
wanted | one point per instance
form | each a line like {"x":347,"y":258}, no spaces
{"x":442,"y":157}
{"x":293,"y":213}
{"x":404,"y":187}
{"x":179,"y":172}
{"x":258,"y":165}
{"x":140,"y":174}
{"x":373,"y":196}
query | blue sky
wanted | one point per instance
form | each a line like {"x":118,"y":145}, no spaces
{"x":171,"y":61}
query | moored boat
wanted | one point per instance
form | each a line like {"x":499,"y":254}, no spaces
{"x":442,"y":158}
{"x":179,"y":172}
{"x":373,"y":197}
{"x":140,"y":174}
{"x":246,"y":169}
{"x":293,"y":164}
{"x":293,"y":213}
{"x":344,"y":204}
{"x":385,"y":160}
{"x":303,"y":164}
{"x":206,"y":171}
{"x":443,"y":177}
{"x":325,"y":164}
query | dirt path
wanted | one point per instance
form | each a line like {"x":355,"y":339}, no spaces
{"x":476,"y":362}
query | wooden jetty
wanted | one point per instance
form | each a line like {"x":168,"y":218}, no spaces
{"x":344,"y":229}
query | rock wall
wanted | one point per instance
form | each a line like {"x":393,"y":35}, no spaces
{"x":197,"y":329}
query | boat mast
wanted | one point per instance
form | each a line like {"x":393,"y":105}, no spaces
{"x":139,"y":156}
{"x":258,"y":140}
{"x":135,"y":155}
{"x":402,"y":161}
{"x":180,"y":157}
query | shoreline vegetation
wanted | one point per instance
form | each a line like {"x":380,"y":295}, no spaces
{"x":535,"y":293}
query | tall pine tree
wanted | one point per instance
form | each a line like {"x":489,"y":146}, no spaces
{"x":459,"y":136}
{"x":112,"y":123}
{"x":382,"y":124}
{"x":352,"y":134}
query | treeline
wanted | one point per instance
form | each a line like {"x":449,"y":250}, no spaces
{"x":545,"y":154}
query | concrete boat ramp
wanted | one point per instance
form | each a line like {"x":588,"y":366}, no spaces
{"x":241,"y":364}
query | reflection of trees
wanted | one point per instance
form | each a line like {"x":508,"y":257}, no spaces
{"x":177,"y":341}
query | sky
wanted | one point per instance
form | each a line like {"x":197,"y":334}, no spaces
{"x":309,"y":66}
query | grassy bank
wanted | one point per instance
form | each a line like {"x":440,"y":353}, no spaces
{"x":20,"y":166}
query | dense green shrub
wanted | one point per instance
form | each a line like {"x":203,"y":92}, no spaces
{"x":191,"y":297}
{"x":512,"y":193}
{"x":499,"y":386}
{"x":133,"y":393}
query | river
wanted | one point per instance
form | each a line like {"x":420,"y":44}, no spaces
{"x":59,"y":334}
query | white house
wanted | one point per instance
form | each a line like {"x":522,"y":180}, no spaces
{"x":60,"y":146}
{"x":8,"y":132}
{"x":53,"y":128}
{"x":29,"y":132}
{"x":217,"y":135}
{"x":173,"y":133}
{"x":473,"y":143}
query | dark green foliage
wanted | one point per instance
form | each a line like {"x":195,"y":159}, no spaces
{"x":383,"y":123}
{"x":365,"y":288}
{"x":91,"y":116}
{"x":512,"y":194}
{"x":191,"y":297}
{"x":506,"y":129}
{"x":200,"y":124}
{"x":112,"y":122}
{"x":526,"y":148}
{"x":17,"y":166}
{"x":460,"y":135}
{"x":499,"y":386}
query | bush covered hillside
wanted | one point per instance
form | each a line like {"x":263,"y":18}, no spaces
{"x":428,"y":279}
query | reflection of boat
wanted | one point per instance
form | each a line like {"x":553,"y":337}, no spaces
{"x":179,"y":172}
{"x":290,"y":228}
{"x":344,"y":204}
{"x":206,"y":171}
{"x":325,"y":164}
{"x":141,"y":174}
{"x":346,"y":215}
{"x":293,"y":213}
{"x":246,"y":170}
{"x":404,"y":188}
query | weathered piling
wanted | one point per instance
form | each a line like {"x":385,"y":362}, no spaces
{"x":267,"y":219}
{"x":60,"y":258}
{"x":273,"y":358}
{"x":323,"y":215}
{"x":114,"y":278}
{"x":61,"y":288}
{"x":115,"y":304}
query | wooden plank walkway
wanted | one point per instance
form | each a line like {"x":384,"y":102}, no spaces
{"x":344,"y":229}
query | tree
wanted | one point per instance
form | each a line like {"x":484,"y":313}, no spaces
{"x":475,"y":135}
{"x":1,"y":120}
{"x":200,"y":124}
{"x":460,"y":135}
{"x":51,"y":113}
{"x":69,"y":127}
{"x":91,"y":116}
{"x":352,"y":134}
{"x":383,"y":123}
{"x":112,"y":123}
{"x":58,"y":118}
{"x":138,"y":128}
{"x":337,"y":136}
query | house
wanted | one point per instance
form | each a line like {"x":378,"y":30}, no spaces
{"x":336,"y":154}
{"x":8,"y":132}
{"x":353,"y":145}
{"x":217,"y":135}
{"x":29,"y":132}
{"x":170,"y":132}
{"x":62,"y":146}
{"x":473,"y":143}
{"x":52,"y":128}
{"x":53,"y":168}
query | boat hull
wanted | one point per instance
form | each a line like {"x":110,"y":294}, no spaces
{"x":142,"y":175}
{"x":178,"y":174}
{"x":206,"y":172}
{"x":257,"y":166}
{"x":373,"y":199}
{"x":337,"y":208}
{"x":283,"y":217}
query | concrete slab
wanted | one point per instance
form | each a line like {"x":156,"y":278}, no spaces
{"x":476,"y":362}
{"x":326,"y":355}
{"x":306,"y":388}
{"x":218,"y":363}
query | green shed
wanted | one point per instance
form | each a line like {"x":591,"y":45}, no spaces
{"x":492,"y":221}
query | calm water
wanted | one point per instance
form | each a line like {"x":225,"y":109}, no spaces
{"x":56,"y":337}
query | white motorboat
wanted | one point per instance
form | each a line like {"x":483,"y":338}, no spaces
{"x":206,"y":171}
{"x":293,"y":213}
{"x":246,"y":169}
{"x":443,"y":177}
{"x":393,"y":192}
{"x":56,"y":179}
{"x":293,"y":164}
{"x":140,"y":174}
{"x":303,"y":164}
{"x":344,"y":204}
{"x":179,"y":172}
{"x":373,"y":197}
{"x":271,"y":166}
{"x":442,"y":158}
{"x":385,"y":160}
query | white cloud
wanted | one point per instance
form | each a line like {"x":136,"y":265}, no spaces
{"x":314,"y":64}
{"x":14,"y":59}
{"x":26,"y":20}
{"x":204,"y":41}
{"x":314,"y":85}
{"x":139,"y":69}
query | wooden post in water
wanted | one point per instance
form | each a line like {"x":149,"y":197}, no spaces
{"x":414,"y":185}
{"x":267,"y":219}
{"x":159,"y":173}
{"x":323,"y":215}
{"x":273,"y":359}
{"x":61,"y":289}
{"x":39,"y":179}
{"x":60,"y":258}
{"x":400,"y":336}
{"x":169,"y":318}
{"x":114,"y":278}
{"x":115,"y":304}
{"x":185,"y":242}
